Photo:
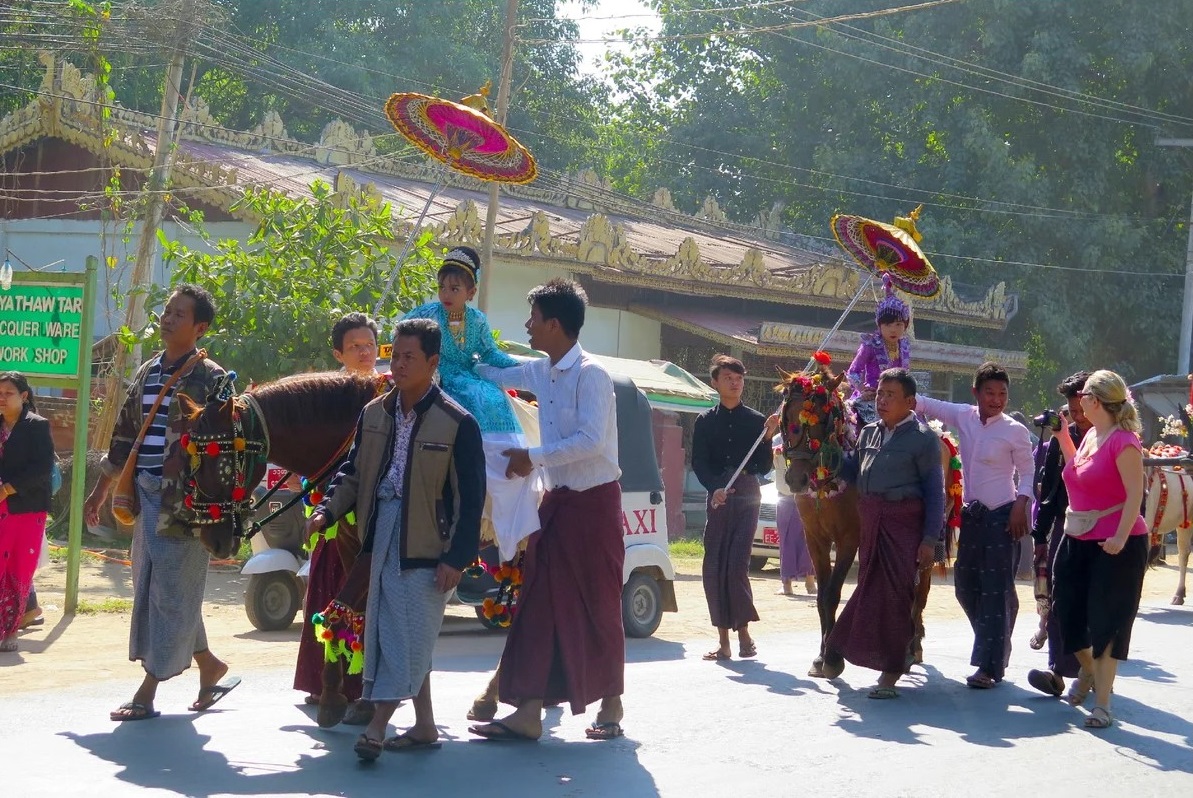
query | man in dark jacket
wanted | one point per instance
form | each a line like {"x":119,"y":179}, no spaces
{"x":1048,"y":531}
{"x":416,"y":479}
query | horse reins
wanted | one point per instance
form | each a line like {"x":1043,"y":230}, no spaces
{"x":321,"y":475}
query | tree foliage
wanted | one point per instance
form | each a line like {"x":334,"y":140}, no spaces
{"x":307,"y":263}
{"x":852,"y":118}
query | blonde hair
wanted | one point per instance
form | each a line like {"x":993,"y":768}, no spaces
{"x":1111,"y":390}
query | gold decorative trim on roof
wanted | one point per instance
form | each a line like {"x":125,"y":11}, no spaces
{"x":581,"y":226}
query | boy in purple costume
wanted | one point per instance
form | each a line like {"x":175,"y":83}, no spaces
{"x":886,"y":348}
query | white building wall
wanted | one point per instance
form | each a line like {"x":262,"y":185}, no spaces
{"x":607,"y":331}
{"x":41,"y":242}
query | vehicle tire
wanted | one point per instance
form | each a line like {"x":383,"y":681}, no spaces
{"x":489,"y":624}
{"x":758,"y":563}
{"x":641,"y":605}
{"x":272,"y":600}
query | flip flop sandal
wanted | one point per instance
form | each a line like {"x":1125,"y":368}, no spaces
{"x":982,"y":682}
{"x":1046,"y":682}
{"x":716,"y":656}
{"x":497,"y":731}
{"x":367,"y":748}
{"x":748,"y":650}
{"x":210,"y":696}
{"x":604,"y":731}
{"x":882,"y":693}
{"x":404,"y":742}
{"x":134,"y":711}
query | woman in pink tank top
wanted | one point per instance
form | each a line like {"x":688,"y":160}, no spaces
{"x":1098,"y":573}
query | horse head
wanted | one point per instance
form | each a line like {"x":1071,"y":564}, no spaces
{"x":814,"y":429}
{"x":225,"y":448}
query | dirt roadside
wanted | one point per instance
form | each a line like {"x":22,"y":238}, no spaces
{"x":94,"y":647}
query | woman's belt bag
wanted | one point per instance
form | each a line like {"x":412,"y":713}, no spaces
{"x":1080,"y":522}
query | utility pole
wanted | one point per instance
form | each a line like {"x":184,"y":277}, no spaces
{"x":503,"y":99}
{"x":167,"y":129}
{"x":1183,"y":365}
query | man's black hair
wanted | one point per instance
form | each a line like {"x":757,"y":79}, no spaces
{"x":901,"y":376}
{"x":1073,"y":384}
{"x":204,"y":304}
{"x":425,"y":330}
{"x":721,"y":363}
{"x":349,"y":322}
{"x":988,"y":372}
{"x":562,"y":300}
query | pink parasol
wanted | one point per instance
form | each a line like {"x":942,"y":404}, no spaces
{"x":464,"y":138}
{"x":889,"y":249}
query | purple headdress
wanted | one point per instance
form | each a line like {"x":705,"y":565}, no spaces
{"x":891,"y":304}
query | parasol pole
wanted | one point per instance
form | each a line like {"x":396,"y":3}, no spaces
{"x":410,"y":241}
{"x":823,"y":343}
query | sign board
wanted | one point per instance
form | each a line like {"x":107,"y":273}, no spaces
{"x":45,"y":333}
{"x":41,"y":328}
{"x":273,"y":476}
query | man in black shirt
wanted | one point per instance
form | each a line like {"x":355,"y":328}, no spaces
{"x":1048,"y":532}
{"x":723,"y":437}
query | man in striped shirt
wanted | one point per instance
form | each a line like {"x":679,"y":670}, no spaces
{"x":169,"y":561}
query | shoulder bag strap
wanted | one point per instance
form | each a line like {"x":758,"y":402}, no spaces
{"x":157,"y":403}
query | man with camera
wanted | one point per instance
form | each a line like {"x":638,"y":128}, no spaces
{"x":1048,"y":529}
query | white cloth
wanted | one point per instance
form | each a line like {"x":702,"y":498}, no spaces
{"x":513,"y":503}
{"x":991,"y":453}
{"x":579,"y":442}
{"x":43,"y":556}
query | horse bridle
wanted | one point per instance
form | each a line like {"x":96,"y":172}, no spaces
{"x":245,"y":453}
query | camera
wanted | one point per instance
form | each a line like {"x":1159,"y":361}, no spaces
{"x":1050,"y":419}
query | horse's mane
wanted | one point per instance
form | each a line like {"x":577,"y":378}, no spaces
{"x":328,"y":395}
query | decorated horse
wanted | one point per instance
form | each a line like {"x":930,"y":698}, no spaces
{"x":819,"y":430}
{"x":1169,"y":507}
{"x":303,"y":424}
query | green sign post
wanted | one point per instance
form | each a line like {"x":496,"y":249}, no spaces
{"x":46,"y":324}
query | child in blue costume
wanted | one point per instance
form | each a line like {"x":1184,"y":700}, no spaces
{"x":468,"y":340}
{"x":887,"y":348}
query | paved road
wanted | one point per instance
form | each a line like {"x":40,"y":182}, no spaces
{"x":694,"y":728}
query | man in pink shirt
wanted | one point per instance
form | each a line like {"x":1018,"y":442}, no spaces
{"x":997,"y":471}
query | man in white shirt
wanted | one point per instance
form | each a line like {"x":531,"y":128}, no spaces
{"x":997,"y":470}
{"x":566,"y":642}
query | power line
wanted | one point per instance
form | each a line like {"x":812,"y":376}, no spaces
{"x":940,"y":59}
{"x":743,"y":32}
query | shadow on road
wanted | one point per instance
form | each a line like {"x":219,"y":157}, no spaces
{"x":1008,"y":715}
{"x":778,"y":682}
{"x":1172,"y":616}
{"x":170,"y":754}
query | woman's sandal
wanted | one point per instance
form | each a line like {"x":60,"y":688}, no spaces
{"x":1038,"y":640}
{"x":1099,"y":718}
{"x":1080,"y":688}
